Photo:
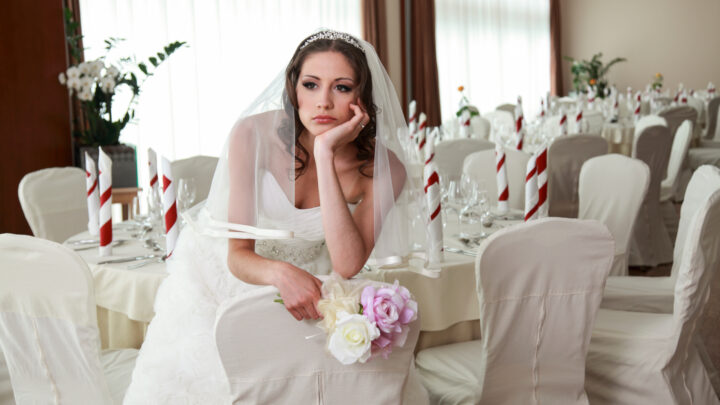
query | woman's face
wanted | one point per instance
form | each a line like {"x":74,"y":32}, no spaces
{"x":326,"y":87}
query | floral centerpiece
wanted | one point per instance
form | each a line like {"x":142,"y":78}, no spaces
{"x":657,"y":82}
{"x":362,"y":319}
{"x":465,"y":104}
{"x":95,"y":84}
{"x":591,"y":73}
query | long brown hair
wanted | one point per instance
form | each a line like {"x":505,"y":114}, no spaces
{"x":365,"y":141}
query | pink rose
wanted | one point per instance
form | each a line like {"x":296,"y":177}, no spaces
{"x":390,"y":309}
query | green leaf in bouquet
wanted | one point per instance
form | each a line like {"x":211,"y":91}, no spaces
{"x":143,"y":68}
{"x":153,"y":60}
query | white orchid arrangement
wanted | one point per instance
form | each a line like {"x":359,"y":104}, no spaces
{"x":95,"y":83}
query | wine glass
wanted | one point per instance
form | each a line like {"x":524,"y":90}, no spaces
{"x":186,"y":193}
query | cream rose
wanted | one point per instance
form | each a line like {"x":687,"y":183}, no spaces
{"x":352,"y":338}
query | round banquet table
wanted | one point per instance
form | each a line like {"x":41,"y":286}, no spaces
{"x":620,"y":137}
{"x":446,"y":294}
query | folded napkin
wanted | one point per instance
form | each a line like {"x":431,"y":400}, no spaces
{"x":105,"y":183}
{"x":563,"y":124}
{"x":531,"y":190}
{"x":542,"y":108}
{"x":638,"y":104}
{"x":579,"y":119}
{"x":541,"y":164}
{"x":152,"y":171}
{"x":172,"y":228}
{"x":710,"y":91}
{"x":430,"y":145}
{"x":412,"y":121}
{"x":519,"y":121}
{"x":591,"y":97}
{"x":465,"y":124}
{"x":434,"y":214}
{"x":93,"y":195}
{"x":501,"y":178}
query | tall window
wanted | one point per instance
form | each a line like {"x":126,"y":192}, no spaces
{"x":235,"y":48}
{"x":497,"y":49}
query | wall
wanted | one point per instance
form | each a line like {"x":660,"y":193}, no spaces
{"x":679,"y":39}
{"x":34,"y":118}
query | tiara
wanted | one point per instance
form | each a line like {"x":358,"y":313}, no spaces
{"x":333,"y":35}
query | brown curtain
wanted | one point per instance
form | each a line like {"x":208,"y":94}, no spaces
{"x":423,"y":62}
{"x":375,"y":28}
{"x":556,"y":80}
{"x":77,"y":118}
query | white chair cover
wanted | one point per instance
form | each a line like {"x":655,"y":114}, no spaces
{"x":566,"y":156}
{"x":450,"y":155}
{"x":595,"y":121}
{"x":712,"y":130}
{"x":506,"y":107}
{"x":612,"y":188}
{"x":481,"y":166}
{"x":270,"y":358}
{"x":54,"y":202}
{"x":655,"y":294}
{"x":698,"y":105}
{"x":6,"y":393}
{"x":677,"y":115}
{"x":644,"y":358}
{"x":678,"y":153}
{"x":650,"y":244}
{"x":535,"y":318}
{"x":200,"y":168}
{"x":501,"y":121}
{"x":480,"y":127}
{"x":48,"y":329}
{"x":648,"y":121}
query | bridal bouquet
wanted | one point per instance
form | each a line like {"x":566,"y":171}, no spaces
{"x":363,"y":320}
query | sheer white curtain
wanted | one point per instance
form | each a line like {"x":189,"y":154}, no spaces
{"x":497,"y":49}
{"x":234,"y":49}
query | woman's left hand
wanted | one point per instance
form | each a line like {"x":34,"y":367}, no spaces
{"x":344,"y":133}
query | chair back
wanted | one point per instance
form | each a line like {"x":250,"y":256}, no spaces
{"x":611,"y":190}
{"x":507,"y":107}
{"x":54,"y":202}
{"x":450,"y":155}
{"x":678,"y":153}
{"x":698,"y":264}
{"x":269,"y":357}
{"x":537,"y":308}
{"x":595,"y":121}
{"x":480,"y":127}
{"x":481,"y":166}
{"x":677,"y":115}
{"x":500,"y":120}
{"x":648,"y":121}
{"x":201,"y":169}
{"x":566,"y":156}
{"x":712,"y":131}
{"x":48,"y":324}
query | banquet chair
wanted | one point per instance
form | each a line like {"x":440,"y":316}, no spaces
{"x":656,"y":294}
{"x":500,"y":121}
{"x":480,"y":127}
{"x":200,"y":168}
{"x":669,"y":185}
{"x":54,"y":202}
{"x":595,"y":121}
{"x":6,"y":393}
{"x":677,"y":115}
{"x":450,"y":155}
{"x":565,"y":158}
{"x":611,"y":190}
{"x":650,"y":244}
{"x":506,"y":107}
{"x":481,"y":167}
{"x":275,"y":359}
{"x":698,"y":105}
{"x":648,"y":358}
{"x":708,"y":150}
{"x":536,"y":313}
{"x":711,"y":137}
{"x":48,"y":327}
{"x":648,"y":121}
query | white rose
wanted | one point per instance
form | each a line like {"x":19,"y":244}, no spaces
{"x":86,"y":83}
{"x":85,"y":94}
{"x":107,"y":84}
{"x":73,"y":72}
{"x":112,"y":71}
{"x":96,"y":67}
{"x":61,"y":78}
{"x":352,"y":337}
{"x":73,"y":83}
{"x":84,"y":68}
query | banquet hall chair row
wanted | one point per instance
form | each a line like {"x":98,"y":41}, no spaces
{"x":48,"y":328}
{"x":536,"y":313}
{"x":481,"y":167}
{"x":675,"y":116}
{"x":450,"y":155}
{"x":670,"y":184}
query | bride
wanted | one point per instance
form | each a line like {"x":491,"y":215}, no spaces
{"x":309,"y":182}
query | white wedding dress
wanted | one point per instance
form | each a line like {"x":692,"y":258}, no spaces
{"x":178,"y":362}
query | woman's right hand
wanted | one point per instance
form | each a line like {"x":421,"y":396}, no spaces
{"x":300,"y":292}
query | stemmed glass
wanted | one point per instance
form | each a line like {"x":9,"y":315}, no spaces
{"x":186,"y":193}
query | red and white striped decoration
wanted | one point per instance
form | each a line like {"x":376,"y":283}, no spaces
{"x":684,"y":97}
{"x":519,"y":121}
{"x":638,"y":104}
{"x":541,"y":164}
{"x":579,"y":120}
{"x":434,"y":210}
{"x":531,"y":190}
{"x":152,"y":171}
{"x":172,"y":229}
{"x":465,"y":123}
{"x":430,"y":146}
{"x":421,"y":133}
{"x":629,"y":99}
{"x":105,"y":184}
{"x":412,"y":121}
{"x":710,"y":91}
{"x":501,"y":179}
{"x":563,"y":124}
{"x":616,"y":107}
{"x":591,"y":97}
{"x":93,"y":195}
{"x":542,"y":108}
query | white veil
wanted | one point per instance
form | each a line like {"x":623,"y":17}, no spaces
{"x":259,"y":160}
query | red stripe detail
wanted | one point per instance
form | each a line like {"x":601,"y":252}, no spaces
{"x":105,"y":196}
{"x":532,"y":173}
{"x":637,"y":110}
{"x":518,"y":124}
{"x":422,"y":143}
{"x":500,"y":163}
{"x":541,"y":161}
{"x":422,"y":125}
{"x":435,"y":214}
{"x":466,"y":123}
{"x":170,"y":217}
{"x":153,"y":180}
{"x":87,"y":173}
{"x":92,"y":188}
{"x":504,"y":195}
{"x":166,"y":182}
{"x":430,"y":158}
{"x":579,"y":116}
{"x":433,"y":179}
{"x":563,"y":119}
{"x":542,"y":194}
{"x":531,"y":212}
{"x":412,"y":119}
{"x":106,"y":233}
{"x":520,"y":144}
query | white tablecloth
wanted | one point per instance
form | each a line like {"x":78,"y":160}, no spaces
{"x":620,"y":137}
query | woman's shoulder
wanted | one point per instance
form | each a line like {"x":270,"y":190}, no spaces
{"x":266,"y":125}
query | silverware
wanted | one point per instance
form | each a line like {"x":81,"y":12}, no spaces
{"x":147,"y":262}
{"x":460,"y":251}
{"x":128,"y":259}
{"x":83,"y":242}
{"x":114,"y":243}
